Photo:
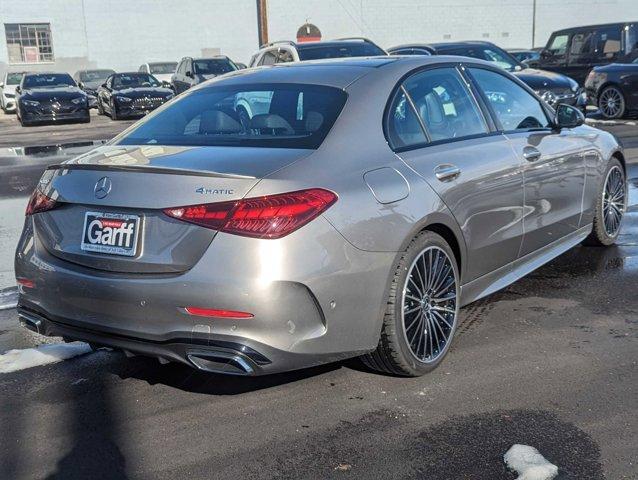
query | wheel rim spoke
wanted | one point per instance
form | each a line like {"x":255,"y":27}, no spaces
{"x":613,"y":202}
{"x":429,"y":306}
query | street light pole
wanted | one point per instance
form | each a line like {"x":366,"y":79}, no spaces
{"x":262,"y":21}
{"x":533,"y":23}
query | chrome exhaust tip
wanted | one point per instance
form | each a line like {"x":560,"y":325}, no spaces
{"x":227,"y":363}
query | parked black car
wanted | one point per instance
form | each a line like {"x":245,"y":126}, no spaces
{"x":552,"y":87}
{"x":90,"y":80}
{"x":575,"y":51}
{"x":614,"y":88}
{"x":131,"y":94}
{"x":192,"y":71}
{"x":50,"y":97}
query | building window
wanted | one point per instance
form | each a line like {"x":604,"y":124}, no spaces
{"x":29,"y":42}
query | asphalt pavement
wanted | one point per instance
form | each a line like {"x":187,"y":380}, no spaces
{"x":550,"y":362}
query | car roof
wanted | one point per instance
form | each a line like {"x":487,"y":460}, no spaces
{"x":598,"y":25}
{"x":468,"y":43}
{"x":161,"y":63}
{"x":335,"y":72}
{"x":330,"y":43}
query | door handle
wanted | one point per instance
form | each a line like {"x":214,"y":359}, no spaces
{"x":531,"y":154}
{"x":447,"y":172}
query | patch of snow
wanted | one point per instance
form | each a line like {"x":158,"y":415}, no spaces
{"x":15,"y":360}
{"x":529,"y":463}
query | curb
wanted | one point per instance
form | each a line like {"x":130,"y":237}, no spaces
{"x":8,"y":298}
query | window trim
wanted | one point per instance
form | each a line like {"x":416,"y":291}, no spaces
{"x":485,"y":115}
{"x":544,"y":107}
{"x":38,"y":62}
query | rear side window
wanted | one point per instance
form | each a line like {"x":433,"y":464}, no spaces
{"x":608,"y":42}
{"x":444,"y":104}
{"x":514,"y":107}
{"x":402,"y":124}
{"x":260,"y":115}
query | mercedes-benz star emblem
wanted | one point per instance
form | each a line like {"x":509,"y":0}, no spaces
{"x":102,"y":187}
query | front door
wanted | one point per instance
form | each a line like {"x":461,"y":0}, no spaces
{"x":553,"y":161}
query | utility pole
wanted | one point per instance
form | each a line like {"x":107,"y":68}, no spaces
{"x":533,"y":23}
{"x":262,"y":21}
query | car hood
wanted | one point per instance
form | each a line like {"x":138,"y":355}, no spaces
{"x":540,"y":79}
{"x":9,"y":89}
{"x":61,"y":93}
{"x":618,"y":67}
{"x":143,"y":92}
{"x":163,"y":77}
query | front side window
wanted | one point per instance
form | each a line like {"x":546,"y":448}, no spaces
{"x":14,"y":78}
{"x":444,"y":104}
{"x":514,"y":107}
{"x":558,"y":44}
{"x":260,"y":115}
{"x":134,"y":80}
{"x":29,"y":42}
{"x":48,"y":80}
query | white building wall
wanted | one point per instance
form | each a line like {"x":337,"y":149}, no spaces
{"x":122,"y":34}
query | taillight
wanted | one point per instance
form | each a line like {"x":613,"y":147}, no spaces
{"x":39,"y":202}
{"x":272,"y":216}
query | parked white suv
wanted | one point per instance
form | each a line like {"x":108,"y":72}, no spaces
{"x":8,"y":91}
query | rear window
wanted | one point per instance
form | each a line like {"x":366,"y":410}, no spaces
{"x":213,"y":66}
{"x":259,"y":115}
{"x":163,"y":68}
{"x":338,"y":51}
{"x":95,"y":75}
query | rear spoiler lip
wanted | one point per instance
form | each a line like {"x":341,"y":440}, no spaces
{"x":147,"y":169}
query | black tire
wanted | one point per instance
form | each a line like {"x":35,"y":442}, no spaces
{"x":394,"y":354}
{"x":88,"y":117}
{"x":612,"y":103}
{"x":600,"y":234}
{"x":114,"y":115}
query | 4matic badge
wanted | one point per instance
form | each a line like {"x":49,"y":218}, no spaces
{"x":215,"y":191}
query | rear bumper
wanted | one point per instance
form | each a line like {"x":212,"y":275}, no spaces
{"x":314,"y":300}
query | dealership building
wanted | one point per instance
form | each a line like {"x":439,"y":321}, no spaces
{"x":67,"y":35}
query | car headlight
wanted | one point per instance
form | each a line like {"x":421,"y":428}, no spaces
{"x":124,"y":99}
{"x":78,"y":100}
{"x":31,"y":103}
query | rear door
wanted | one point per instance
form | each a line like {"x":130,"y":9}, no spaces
{"x":437,"y":127}
{"x":553,"y":161}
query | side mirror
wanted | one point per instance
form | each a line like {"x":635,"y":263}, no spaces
{"x":18,"y":89}
{"x":1,"y":84}
{"x":81,"y":84}
{"x":568,"y":116}
{"x":189,"y":74}
{"x":545,"y":54}
{"x":240,"y":65}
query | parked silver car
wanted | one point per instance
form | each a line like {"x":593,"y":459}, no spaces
{"x":373,"y":199}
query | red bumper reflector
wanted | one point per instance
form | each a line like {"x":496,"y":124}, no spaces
{"x":23,"y":282}
{"x":212,"y":312}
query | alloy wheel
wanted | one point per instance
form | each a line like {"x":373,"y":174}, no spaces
{"x":429,"y":304}
{"x":614,"y":196}
{"x":611,"y":103}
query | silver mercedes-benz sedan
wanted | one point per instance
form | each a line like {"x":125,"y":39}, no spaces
{"x":353,"y":213}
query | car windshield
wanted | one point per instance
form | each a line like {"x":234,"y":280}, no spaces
{"x":48,"y":80}
{"x":14,"y":78}
{"x":168,"y":67}
{"x":492,"y":54}
{"x":258,"y":115}
{"x":213,"y":66}
{"x":95,"y":75}
{"x":134,"y":80}
{"x":317,"y":52}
